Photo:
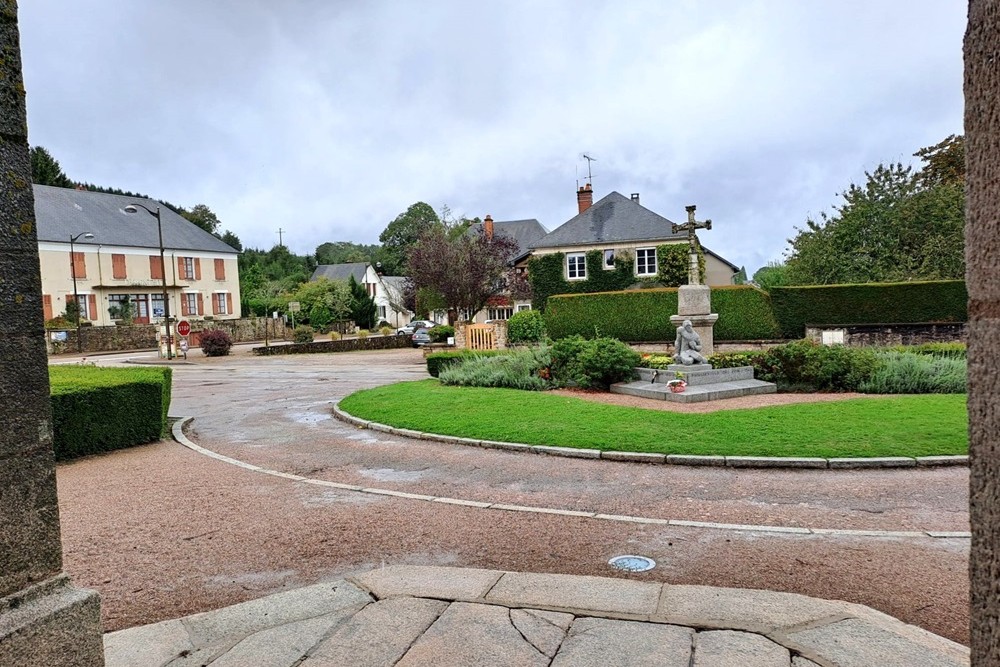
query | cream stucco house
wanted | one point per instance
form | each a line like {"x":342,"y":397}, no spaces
{"x":116,"y":255}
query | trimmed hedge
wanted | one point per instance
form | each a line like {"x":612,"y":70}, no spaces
{"x":644,"y":315}
{"x":438,"y":360}
{"x":342,"y":345}
{"x":872,"y":303}
{"x":102,"y":409}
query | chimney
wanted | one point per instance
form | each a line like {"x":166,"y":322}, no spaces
{"x":585,"y":198}
{"x":488,"y":226}
{"x":635,"y":197}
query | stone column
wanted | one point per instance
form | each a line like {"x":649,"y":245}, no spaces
{"x":43,"y":619}
{"x":982,"y":256}
{"x":694,"y":302}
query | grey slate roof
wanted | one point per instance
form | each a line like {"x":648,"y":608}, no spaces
{"x":341,"y":271}
{"x":525,"y":232}
{"x":62,"y":212}
{"x":612,"y":219}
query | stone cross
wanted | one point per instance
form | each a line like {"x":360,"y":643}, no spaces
{"x":692,"y":225}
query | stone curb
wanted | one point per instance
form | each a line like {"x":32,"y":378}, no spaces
{"x":181,"y":422}
{"x":787,"y":462}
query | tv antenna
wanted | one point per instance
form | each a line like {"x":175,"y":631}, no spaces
{"x":590,"y":175}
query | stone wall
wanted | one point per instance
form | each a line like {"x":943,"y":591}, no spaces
{"x":346,"y":345}
{"x":143,"y":336}
{"x":881,"y":335}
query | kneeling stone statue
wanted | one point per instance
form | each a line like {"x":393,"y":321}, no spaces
{"x":687,"y":346}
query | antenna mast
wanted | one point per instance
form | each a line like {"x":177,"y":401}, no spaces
{"x":590,"y":175}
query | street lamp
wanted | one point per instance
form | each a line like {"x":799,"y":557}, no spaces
{"x":76,"y":295}
{"x":134,"y":208}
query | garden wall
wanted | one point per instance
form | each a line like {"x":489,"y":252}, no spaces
{"x":143,"y":336}
{"x":346,"y":345}
{"x":881,"y":335}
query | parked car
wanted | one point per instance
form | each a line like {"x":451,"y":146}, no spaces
{"x":413,"y":326}
{"x":421,"y":337}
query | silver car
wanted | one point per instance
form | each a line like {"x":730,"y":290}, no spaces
{"x":413,"y":326}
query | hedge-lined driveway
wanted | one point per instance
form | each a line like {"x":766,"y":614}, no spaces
{"x":191,"y":532}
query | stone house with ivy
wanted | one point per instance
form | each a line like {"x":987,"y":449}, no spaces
{"x":614,"y":244}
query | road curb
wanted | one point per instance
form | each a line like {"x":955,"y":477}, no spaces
{"x":785,"y":462}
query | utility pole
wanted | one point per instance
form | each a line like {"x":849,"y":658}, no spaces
{"x":280,"y":232}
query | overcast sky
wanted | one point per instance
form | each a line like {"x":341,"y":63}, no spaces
{"x":328,"y":118}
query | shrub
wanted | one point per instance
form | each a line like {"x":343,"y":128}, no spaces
{"x":215,"y":343}
{"x":59,"y":322}
{"x":806,"y":366}
{"x":910,"y":373}
{"x":596,"y":363}
{"x":440,"y":333}
{"x":950,"y":350}
{"x":872,"y":303}
{"x":102,"y":409}
{"x":362,"y":334}
{"x":437,"y":361}
{"x":302,"y":334}
{"x":335,"y":335}
{"x":527,"y":326}
{"x":386,"y":330}
{"x":518,"y":369}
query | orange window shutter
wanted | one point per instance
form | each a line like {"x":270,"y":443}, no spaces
{"x":197,"y":268}
{"x":220,"y":269}
{"x":201,"y":305}
{"x":118,"y":267}
{"x":47,"y":306}
{"x":180,"y":268}
{"x":229,"y":303}
{"x":79,"y":265}
{"x":92,"y":306}
{"x":184,"y":305}
{"x":155,"y":268}
{"x":215,"y":304}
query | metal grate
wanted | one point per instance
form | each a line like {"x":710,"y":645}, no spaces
{"x":632,"y":563}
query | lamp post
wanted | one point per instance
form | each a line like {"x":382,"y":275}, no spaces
{"x":76,"y":295}
{"x":134,"y":208}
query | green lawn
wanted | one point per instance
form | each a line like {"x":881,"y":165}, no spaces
{"x":894,"y":426}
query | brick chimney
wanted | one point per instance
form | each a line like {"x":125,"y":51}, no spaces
{"x":635,"y":197}
{"x":585,"y":198}
{"x":488,"y":226}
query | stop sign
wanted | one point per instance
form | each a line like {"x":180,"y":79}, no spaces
{"x":183,"y":327}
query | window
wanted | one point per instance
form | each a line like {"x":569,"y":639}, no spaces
{"x":186,"y":265}
{"x":118,"y":267}
{"x":220,"y":269}
{"x":115,"y":302}
{"x":381,"y":313}
{"x":645,"y":262}
{"x":220,"y":303}
{"x":523,"y":306}
{"x":609,"y":259}
{"x":79,"y":265}
{"x":499,"y":313}
{"x":156,"y":303}
{"x":576,"y":266}
{"x":88,"y":305}
{"x":189,"y":303}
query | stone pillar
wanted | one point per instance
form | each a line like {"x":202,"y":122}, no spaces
{"x":982,"y":241}
{"x":694,"y":302}
{"x":43,"y":619}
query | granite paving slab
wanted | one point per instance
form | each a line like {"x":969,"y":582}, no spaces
{"x":546,"y":630}
{"x":453,"y":583}
{"x":856,"y":642}
{"x":565,"y":591}
{"x":600,"y":642}
{"x":714,"y":648}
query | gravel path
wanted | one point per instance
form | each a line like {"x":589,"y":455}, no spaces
{"x":162,"y":531}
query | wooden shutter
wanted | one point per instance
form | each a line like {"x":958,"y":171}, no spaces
{"x":180,"y":269}
{"x":229,"y":303}
{"x":201,"y":304}
{"x":197,"y":268}
{"x":47,"y":306}
{"x":155,"y":268}
{"x":79,"y":265}
{"x":92,"y":307}
{"x":215,"y":304}
{"x":220,"y":269}
{"x":184,"y":305}
{"x":118,"y":267}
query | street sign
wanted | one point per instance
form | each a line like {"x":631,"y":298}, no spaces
{"x":294,"y":306}
{"x":183,"y":327}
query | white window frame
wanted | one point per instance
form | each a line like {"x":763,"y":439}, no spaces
{"x":188,"y":264}
{"x":521,"y":307}
{"x":500,"y":313}
{"x":187,"y":296}
{"x":607,"y":266}
{"x":647,"y":273}
{"x":576,"y":261}
{"x":220,"y":303}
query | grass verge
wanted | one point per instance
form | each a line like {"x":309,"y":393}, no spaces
{"x":879,"y":426}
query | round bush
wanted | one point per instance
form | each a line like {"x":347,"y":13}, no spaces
{"x":441,"y":333}
{"x":215,"y":343}
{"x":386,"y":330}
{"x":303,"y":334}
{"x":598,"y":363}
{"x":526,"y":326}
{"x":362,"y":334}
{"x":335,"y":335}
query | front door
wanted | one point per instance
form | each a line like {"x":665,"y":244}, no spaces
{"x":141,"y":304}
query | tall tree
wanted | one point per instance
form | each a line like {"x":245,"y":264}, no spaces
{"x":203,"y":216}
{"x":45,"y":169}
{"x":466,"y":271}
{"x":402,"y":233}
{"x":899,"y":225}
{"x":232,"y":240}
{"x":363,"y":309}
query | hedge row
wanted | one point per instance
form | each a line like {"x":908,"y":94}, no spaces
{"x":644,"y":315}
{"x":103,"y":409}
{"x":873,"y":303}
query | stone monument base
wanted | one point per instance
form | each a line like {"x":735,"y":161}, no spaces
{"x":704,"y":383}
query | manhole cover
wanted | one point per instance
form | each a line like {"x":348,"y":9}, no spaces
{"x":632,"y":563}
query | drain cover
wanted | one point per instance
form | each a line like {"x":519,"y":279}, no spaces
{"x":632,"y":563}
